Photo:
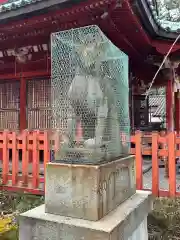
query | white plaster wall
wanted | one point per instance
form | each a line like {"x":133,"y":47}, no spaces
{"x":141,"y":233}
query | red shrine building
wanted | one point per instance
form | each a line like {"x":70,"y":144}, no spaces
{"x":137,"y":27}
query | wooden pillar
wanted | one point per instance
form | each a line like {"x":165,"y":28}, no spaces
{"x":177,"y":112}
{"x":23,"y":124}
{"x":131,"y":110}
{"x":169,"y":106}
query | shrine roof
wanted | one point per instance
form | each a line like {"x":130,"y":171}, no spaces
{"x":166,"y":14}
{"x":9,"y":5}
{"x":15,"y":8}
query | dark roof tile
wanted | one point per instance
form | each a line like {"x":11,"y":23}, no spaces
{"x":14,"y":4}
{"x":166,"y":14}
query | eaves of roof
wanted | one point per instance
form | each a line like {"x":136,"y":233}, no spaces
{"x":167,"y":19}
{"x":17,"y":8}
{"x":156,"y":27}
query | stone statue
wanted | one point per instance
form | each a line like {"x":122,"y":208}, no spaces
{"x":93,"y":103}
{"x":87,"y":92}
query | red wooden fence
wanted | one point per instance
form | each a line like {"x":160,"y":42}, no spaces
{"x":24,"y":175}
{"x":28,"y":176}
{"x":172,"y":141}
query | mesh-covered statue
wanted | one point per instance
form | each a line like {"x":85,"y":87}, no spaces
{"x":89,"y":96}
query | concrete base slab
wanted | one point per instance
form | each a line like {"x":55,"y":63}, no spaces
{"x":126,"y":222}
{"x":88,"y":191}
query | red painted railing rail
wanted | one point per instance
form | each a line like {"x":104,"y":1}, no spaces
{"x":170,"y":150}
{"x":24,"y":156}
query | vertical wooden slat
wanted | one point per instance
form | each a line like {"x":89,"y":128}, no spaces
{"x":169,"y":105}
{"x":139,"y":161}
{"x":172,"y":164}
{"x":5,"y":158}
{"x":25,"y":156}
{"x":22,"y":104}
{"x":46,"y":153}
{"x":155,"y":165}
{"x":14,"y":159}
{"x":39,"y":104}
{"x":9,"y":105}
{"x":35,"y":181}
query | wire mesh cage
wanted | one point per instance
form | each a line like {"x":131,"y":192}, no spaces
{"x":90,"y":96}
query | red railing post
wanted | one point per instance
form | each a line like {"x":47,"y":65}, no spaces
{"x":25,"y":156}
{"x":155,"y":164}
{"x":23,"y":91}
{"x":35,"y":170}
{"x":15,"y":159}
{"x":172,"y":163}
{"x":5,"y":158}
{"x":46,"y":152}
{"x":139,"y":160}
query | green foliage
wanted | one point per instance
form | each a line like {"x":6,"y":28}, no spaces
{"x":10,"y":235}
{"x":13,"y":204}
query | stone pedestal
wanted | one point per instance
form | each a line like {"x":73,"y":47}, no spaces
{"x":85,"y":202}
{"x":128,"y":221}
{"x":88,"y":191}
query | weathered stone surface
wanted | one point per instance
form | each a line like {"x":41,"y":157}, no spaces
{"x":127,"y":221}
{"x":88,"y":191}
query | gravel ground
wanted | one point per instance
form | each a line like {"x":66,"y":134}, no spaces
{"x":163,"y":182}
{"x":163,"y":222}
